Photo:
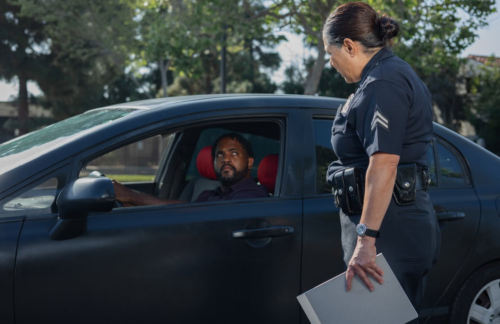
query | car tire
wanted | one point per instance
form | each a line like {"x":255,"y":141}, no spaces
{"x":478,"y":300}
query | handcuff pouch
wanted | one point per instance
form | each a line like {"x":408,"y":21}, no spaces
{"x":405,"y":187}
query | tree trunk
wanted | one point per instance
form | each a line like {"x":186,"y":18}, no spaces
{"x":223,"y":62}
{"x":22,"y":109}
{"x":163,"y":72}
{"x":312,"y":80}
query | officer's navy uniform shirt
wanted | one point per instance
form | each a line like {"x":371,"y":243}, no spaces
{"x":390,"y":112}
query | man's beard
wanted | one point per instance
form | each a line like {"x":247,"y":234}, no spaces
{"x":229,"y":180}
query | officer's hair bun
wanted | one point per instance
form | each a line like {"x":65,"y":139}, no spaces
{"x":388,"y":29}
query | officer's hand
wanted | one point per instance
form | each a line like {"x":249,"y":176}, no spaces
{"x":363,"y":263}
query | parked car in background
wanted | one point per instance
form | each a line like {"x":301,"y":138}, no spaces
{"x":71,"y":254}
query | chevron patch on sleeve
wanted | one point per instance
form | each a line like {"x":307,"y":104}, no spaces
{"x":379,"y":119}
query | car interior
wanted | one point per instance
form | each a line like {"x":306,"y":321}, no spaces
{"x":179,"y":165}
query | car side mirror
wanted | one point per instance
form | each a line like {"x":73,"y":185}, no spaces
{"x":76,"y":201}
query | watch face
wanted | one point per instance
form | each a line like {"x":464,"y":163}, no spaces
{"x":361,"y":229}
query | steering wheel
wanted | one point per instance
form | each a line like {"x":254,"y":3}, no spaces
{"x":97,"y":174}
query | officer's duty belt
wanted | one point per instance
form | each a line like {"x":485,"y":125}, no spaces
{"x":349,"y":187}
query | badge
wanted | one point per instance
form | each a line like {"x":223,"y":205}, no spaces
{"x":345,"y":107}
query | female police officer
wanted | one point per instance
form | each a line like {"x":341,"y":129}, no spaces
{"x":381,"y":135}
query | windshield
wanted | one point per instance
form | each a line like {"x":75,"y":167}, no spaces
{"x":65,"y":128}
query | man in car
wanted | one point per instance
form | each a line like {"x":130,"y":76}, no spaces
{"x":233,"y":159}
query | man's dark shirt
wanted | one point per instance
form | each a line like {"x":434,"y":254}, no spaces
{"x":246,"y":188}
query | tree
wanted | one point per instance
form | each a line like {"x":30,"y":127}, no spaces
{"x":484,"y":111}
{"x":86,"y":46}
{"x":186,"y":36}
{"x":23,"y":53}
{"x":433,"y":32}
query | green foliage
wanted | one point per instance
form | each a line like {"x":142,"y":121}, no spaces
{"x":484,"y":112}
{"x":433,"y":33}
{"x":294,"y":80}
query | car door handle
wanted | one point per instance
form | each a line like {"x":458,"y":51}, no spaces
{"x":274,"y":231}
{"x":450,"y":216}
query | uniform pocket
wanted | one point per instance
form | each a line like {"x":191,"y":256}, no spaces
{"x":419,"y":236}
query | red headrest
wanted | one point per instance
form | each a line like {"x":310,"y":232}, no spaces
{"x":205,"y":163}
{"x":267,"y":172}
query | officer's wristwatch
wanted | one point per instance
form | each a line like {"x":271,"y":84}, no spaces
{"x":362,"y":230}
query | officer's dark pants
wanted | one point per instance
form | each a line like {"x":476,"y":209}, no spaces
{"x":409,"y":239}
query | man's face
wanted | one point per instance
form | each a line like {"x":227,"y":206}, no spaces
{"x":231,"y":162}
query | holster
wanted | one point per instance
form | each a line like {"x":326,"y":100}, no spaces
{"x":405,"y":187}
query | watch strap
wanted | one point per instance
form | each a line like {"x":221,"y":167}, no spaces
{"x":372,"y":233}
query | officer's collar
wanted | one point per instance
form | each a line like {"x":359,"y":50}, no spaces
{"x":384,"y":53}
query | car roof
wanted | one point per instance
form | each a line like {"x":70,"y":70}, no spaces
{"x":147,"y":112}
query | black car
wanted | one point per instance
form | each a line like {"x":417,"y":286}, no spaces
{"x":70,"y":254}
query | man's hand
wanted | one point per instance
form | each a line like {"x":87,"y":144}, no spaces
{"x":363,"y":263}
{"x":123,"y":194}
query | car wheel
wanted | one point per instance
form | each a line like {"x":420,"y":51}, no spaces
{"x":478,"y":301}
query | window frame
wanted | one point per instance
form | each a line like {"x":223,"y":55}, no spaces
{"x":176,"y":126}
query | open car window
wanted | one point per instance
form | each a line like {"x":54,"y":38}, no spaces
{"x":165,"y":165}
{"x":134,"y":162}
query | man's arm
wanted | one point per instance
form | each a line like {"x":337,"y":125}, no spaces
{"x":380,"y":178}
{"x":131,"y":197}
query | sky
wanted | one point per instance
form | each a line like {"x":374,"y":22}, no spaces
{"x":294,"y":52}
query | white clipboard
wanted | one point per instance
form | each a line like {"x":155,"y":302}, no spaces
{"x":330,"y":303}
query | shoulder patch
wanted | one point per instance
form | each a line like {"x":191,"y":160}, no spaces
{"x":379,"y":119}
{"x":346,"y":105}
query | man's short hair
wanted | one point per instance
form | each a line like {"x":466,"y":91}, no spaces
{"x":246,"y":144}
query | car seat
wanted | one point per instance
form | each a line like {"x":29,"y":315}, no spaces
{"x":208,"y":179}
{"x":268,"y":171}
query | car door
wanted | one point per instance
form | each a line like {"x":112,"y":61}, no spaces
{"x":458,"y":211}
{"x":34,"y":196}
{"x":179,"y":263}
{"x":452,"y":194}
{"x":322,"y":251}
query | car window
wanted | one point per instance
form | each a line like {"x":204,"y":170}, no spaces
{"x":324,"y":153}
{"x":37,"y":198}
{"x":135,"y":162}
{"x":451,"y":171}
{"x":261,"y":145}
